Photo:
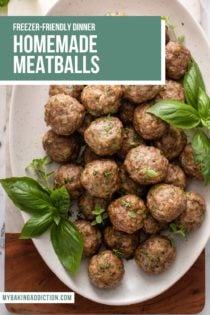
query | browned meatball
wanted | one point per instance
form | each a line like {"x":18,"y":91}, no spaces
{"x":130,"y":140}
{"x":166,"y":202}
{"x":148,"y":125}
{"x":128,"y":186}
{"x":69,"y":175}
{"x":171,"y":90}
{"x":152,"y":226}
{"x":192,"y":218}
{"x":61,"y":148}
{"x":126,"y":112}
{"x":86,"y":123}
{"x":101,"y":178}
{"x":172,"y":143}
{"x":71,"y":90}
{"x":64,"y":114}
{"x":176,"y":176}
{"x":104,"y":135}
{"x":155,"y":255}
{"x":105,"y":270}
{"x":102,"y":99}
{"x":91,"y":237}
{"x":146,"y":165}
{"x":188,"y":163}
{"x":120,"y":241}
{"x":140,"y":93}
{"x":127,"y":213}
{"x":178,"y":58}
{"x":89,"y":155}
{"x":87,"y":204}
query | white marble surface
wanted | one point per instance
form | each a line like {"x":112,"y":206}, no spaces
{"x":199,"y":9}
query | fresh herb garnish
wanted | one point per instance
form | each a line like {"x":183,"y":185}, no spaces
{"x":49,"y":209}
{"x":126,"y":204}
{"x":132,"y":214}
{"x":194,"y":114}
{"x":3,"y":3}
{"x":100,"y":215}
{"x":107,"y":174}
{"x":118,"y":253}
{"x":178,"y":230}
{"x":150,"y":173}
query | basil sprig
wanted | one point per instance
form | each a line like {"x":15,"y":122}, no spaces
{"x":3,"y":3}
{"x":49,"y":210}
{"x":194,"y":114}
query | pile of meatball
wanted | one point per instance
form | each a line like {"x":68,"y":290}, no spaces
{"x":116,"y":156}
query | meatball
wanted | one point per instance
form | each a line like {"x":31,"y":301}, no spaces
{"x":127,"y":213}
{"x":178,"y":58}
{"x":128,"y":186}
{"x":89,"y":155}
{"x":155,"y":255}
{"x":61,"y":148}
{"x":69,"y":175}
{"x":102,"y":99}
{"x":148,"y":125}
{"x":130,"y":140}
{"x":71,"y":90}
{"x":104,"y":135}
{"x":86,"y":123}
{"x":126,"y":112}
{"x":91,"y":237}
{"x":105,"y":270}
{"x":101,"y":178}
{"x":193,"y":216}
{"x":172,"y":143}
{"x":141,"y":93}
{"x":120,"y":241}
{"x":87,"y":204}
{"x":166,"y":202}
{"x":152,"y":226}
{"x":146,"y":165}
{"x":176,"y":176}
{"x":188,"y":163}
{"x":171,"y":90}
{"x":64,"y":114}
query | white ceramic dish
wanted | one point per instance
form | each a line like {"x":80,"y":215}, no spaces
{"x":27,"y":126}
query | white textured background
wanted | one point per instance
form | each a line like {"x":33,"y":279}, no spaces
{"x":200,"y":9}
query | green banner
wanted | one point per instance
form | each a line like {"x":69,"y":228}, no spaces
{"x":85,"y":48}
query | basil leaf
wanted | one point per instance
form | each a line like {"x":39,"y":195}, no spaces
{"x":27,"y":195}
{"x":176,"y":113}
{"x":61,"y":200}
{"x":68,"y":245}
{"x":3,"y":3}
{"x":201,"y":150}
{"x":192,"y":81}
{"x":204,"y":108}
{"x":36,"y":226}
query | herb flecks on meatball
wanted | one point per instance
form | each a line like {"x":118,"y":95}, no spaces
{"x":171,"y":90}
{"x":101,"y":178}
{"x":127,"y":213}
{"x":101,"y":100}
{"x":155,"y":255}
{"x":140,"y":93}
{"x":166,"y":202}
{"x":61,"y":149}
{"x":105,"y":270}
{"x":192,"y":218}
{"x":148,"y":125}
{"x":68,"y":175}
{"x":146,"y":165}
{"x":178,"y":59}
{"x":64,"y":114}
{"x":91,"y":237}
{"x":104,"y":135}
